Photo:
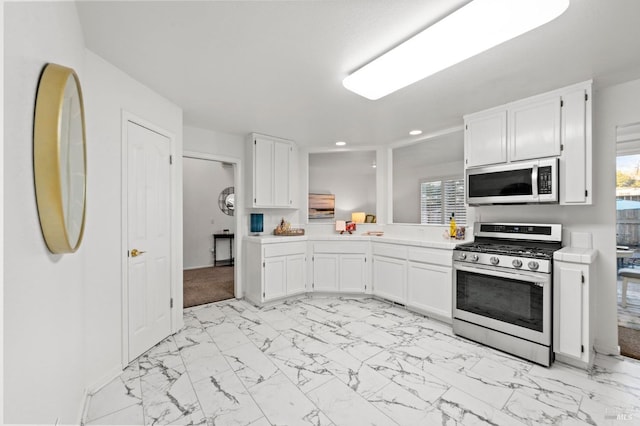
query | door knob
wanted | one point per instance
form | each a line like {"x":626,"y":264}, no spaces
{"x":136,"y":252}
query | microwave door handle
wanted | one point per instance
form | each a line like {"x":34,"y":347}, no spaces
{"x":534,"y":181}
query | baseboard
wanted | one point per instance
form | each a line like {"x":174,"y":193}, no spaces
{"x":606,"y":349}
{"x":104,"y":380}
{"x":83,"y":408}
{"x":197,"y":267}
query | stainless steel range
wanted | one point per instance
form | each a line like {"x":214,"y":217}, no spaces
{"x":503,"y":288}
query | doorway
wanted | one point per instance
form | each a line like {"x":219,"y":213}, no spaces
{"x":628,"y":238}
{"x":209,"y":230}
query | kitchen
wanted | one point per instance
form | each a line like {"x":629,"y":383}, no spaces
{"x":616,"y":93}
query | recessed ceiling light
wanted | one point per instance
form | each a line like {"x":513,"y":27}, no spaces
{"x":415,"y":132}
{"x":474,"y":28}
{"x":341,"y":143}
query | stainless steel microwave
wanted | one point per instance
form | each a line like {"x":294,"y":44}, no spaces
{"x":524,"y":182}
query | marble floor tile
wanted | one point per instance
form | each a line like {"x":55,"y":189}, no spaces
{"x":250,"y":364}
{"x":345,"y":407}
{"x":121,"y":392}
{"x":324,"y":360}
{"x":363,"y":379}
{"x":301,"y":368}
{"x":412,"y":379}
{"x":401,"y":405}
{"x":465,"y":409}
{"x":131,"y":415}
{"x":225,"y":401}
{"x":285,"y":404}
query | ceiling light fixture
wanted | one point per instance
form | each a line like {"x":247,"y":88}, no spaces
{"x":474,"y":28}
{"x":415,"y":132}
{"x":341,"y":143}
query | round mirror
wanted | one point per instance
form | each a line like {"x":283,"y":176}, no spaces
{"x":59,"y":158}
{"x":227,"y":201}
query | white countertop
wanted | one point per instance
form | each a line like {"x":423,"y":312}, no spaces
{"x":441,"y":243}
{"x":576,"y":255}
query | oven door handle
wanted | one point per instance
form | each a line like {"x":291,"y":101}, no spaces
{"x":520,"y":275}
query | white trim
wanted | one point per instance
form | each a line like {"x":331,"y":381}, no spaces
{"x":605,"y":350}
{"x":84,"y":408}
{"x":175,"y":279}
{"x":238,"y":289}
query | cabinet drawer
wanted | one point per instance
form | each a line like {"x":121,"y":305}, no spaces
{"x":284,"y":249}
{"x":390,"y":250}
{"x":340,"y":247}
{"x":429,"y":255}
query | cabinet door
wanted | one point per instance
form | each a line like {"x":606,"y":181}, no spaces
{"x":568,"y":309}
{"x":281,"y":173}
{"x":534,"y":129}
{"x":353,"y":273}
{"x":389,"y":278}
{"x":325,"y":272}
{"x":574,"y":182}
{"x":429,"y":288}
{"x":295,"y":274}
{"x":485,"y":138}
{"x":263,"y":167}
{"x":275,"y":275}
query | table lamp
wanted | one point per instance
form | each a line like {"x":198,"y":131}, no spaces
{"x":357,"y":217}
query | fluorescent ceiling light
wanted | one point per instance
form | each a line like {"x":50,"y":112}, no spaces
{"x":415,"y":132}
{"x":474,"y":28}
{"x":341,"y":143}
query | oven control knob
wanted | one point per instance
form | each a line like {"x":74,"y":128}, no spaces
{"x":462,"y":256}
{"x":494,"y":260}
{"x":475,"y":258}
{"x":533,"y":265}
{"x":517,"y":263}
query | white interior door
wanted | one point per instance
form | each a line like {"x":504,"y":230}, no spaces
{"x":149,"y":238}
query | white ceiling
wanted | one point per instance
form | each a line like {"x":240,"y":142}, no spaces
{"x":276,"y":67}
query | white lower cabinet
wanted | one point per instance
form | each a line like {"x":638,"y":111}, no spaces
{"x":340,"y":267}
{"x":419,"y":277}
{"x":325,"y":272}
{"x":573,"y":324}
{"x":274,"y":270}
{"x":429,"y":289}
{"x":353,"y":273}
{"x":389,"y":278}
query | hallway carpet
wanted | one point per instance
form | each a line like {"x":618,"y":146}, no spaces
{"x":629,"y":341}
{"x":207,"y":285}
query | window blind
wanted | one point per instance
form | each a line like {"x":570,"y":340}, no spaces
{"x":440,"y":198}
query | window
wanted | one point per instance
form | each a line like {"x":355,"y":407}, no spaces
{"x":440,"y":198}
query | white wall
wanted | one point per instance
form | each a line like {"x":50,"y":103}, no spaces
{"x":203,"y":181}
{"x":347,"y":175}
{"x":62,"y":313}
{"x":406,"y":188}
{"x":44,"y":352}
{"x":108,"y":92}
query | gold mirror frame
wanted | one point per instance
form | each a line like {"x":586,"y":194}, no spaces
{"x":59,"y":158}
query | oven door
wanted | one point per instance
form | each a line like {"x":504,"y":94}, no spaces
{"x":517,"y":303}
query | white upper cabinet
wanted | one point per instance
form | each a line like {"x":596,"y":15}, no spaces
{"x":485,"y":138}
{"x":534,"y":129}
{"x":271,"y":171}
{"x":553,"y":124}
{"x":575,"y":161}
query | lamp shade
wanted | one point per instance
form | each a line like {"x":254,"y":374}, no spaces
{"x":357,"y":217}
{"x":257,"y":221}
